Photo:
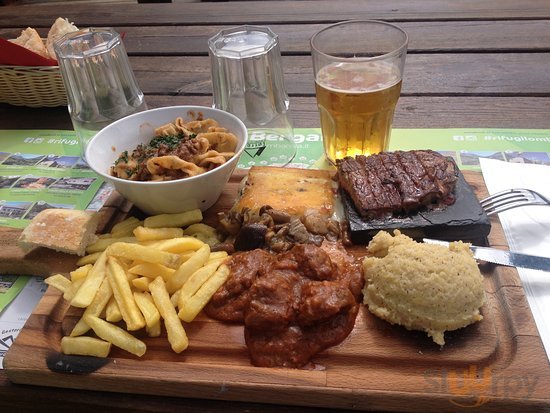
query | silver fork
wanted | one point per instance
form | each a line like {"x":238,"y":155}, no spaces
{"x":512,"y":198}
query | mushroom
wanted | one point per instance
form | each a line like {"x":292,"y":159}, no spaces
{"x":299,"y":233}
{"x":250,"y":237}
{"x":315,"y":222}
{"x":279,"y":217}
{"x":229,"y":223}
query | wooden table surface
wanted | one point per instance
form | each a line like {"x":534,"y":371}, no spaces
{"x":470,"y":63}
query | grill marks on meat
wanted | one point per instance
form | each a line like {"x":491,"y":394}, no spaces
{"x":299,"y":303}
{"x":393,"y":182}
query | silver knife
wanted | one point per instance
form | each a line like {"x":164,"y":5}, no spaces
{"x":501,"y":257}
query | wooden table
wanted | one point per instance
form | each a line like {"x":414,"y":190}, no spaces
{"x":470,"y":64}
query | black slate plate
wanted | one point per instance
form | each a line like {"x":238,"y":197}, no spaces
{"x":464,"y":220}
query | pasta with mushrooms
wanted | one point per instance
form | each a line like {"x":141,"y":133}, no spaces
{"x":179,"y":149}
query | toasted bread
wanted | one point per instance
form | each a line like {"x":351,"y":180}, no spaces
{"x":30,"y":39}
{"x":60,"y":28}
{"x":65,"y":230}
{"x":291,"y":190}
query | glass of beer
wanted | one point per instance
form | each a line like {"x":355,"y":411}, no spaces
{"x":358,"y":67}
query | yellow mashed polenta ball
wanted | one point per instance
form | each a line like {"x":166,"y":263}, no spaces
{"x":423,"y":287}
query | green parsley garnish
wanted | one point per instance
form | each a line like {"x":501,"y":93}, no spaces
{"x":171,"y":141}
{"x":122,"y":158}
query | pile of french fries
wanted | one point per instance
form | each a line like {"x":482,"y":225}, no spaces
{"x":142,"y":273}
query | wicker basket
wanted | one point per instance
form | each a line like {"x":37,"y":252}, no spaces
{"x":33,"y":86}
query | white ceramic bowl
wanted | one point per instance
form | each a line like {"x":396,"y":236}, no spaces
{"x":163,"y":197}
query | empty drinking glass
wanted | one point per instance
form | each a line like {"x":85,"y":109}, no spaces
{"x":99,"y":81}
{"x":247,"y":79}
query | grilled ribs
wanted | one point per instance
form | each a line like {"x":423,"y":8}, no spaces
{"x":397,"y":182}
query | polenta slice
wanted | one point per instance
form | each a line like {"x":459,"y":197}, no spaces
{"x":291,"y":190}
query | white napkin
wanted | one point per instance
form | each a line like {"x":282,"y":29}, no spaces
{"x":527,"y":230}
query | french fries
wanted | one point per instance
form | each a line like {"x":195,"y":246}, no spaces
{"x":101,"y":299}
{"x":73,"y":288}
{"x":154,"y":330}
{"x":87,"y":291}
{"x":102,"y":243}
{"x":59,"y":281}
{"x":141,"y":283}
{"x":116,"y":335}
{"x":80,"y":272}
{"x":152,"y":234}
{"x":85,"y":346}
{"x":125,"y":228}
{"x":174,"y":220}
{"x":196,"y":303}
{"x":176,"y":245}
{"x":112,"y":311}
{"x":89,"y":259}
{"x":205,"y":233}
{"x":195,"y":281}
{"x":123,"y":295}
{"x":187,"y":268}
{"x":143,"y":253}
{"x":139,"y":276}
{"x":152,"y":271}
{"x":176,"y":334}
{"x":148,"y":308}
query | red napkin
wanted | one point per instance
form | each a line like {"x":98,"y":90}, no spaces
{"x":14,"y":55}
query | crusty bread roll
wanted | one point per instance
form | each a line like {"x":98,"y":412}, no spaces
{"x":30,"y":39}
{"x":60,"y":28}
{"x":65,"y":230}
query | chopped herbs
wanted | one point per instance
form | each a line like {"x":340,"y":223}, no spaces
{"x":171,"y":141}
{"x":122,"y":158}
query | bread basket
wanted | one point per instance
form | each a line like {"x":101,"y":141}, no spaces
{"x":33,"y":86}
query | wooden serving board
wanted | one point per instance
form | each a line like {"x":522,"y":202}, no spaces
{"x":498,"y":364}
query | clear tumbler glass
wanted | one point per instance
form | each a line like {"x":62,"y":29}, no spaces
{"x":247,"y":79}
{"x":99,"y":81}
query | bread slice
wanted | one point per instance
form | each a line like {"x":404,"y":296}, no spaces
{"x":59,"y":28}
{"x":65,"y":230}
{"x":292,"y":190}
{"x":30,"y":39}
